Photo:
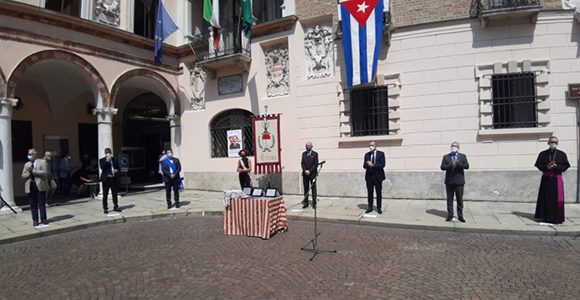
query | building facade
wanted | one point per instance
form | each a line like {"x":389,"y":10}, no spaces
{"x":78,"y":76}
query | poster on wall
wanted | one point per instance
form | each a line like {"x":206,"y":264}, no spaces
{"x":234,"y":142}
{"x":267,"y":144}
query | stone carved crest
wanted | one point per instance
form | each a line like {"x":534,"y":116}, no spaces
{"x":108,"y":12}
{"x":569,"y":4}
{"x":319,"y":52}
{"x":197,"y":80}
{"x":277,"y":71}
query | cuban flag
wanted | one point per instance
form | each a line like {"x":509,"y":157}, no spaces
{"x":362,"y":32}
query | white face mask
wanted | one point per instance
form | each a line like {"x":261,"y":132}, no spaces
{"x":553,"y":146}
{"x":169,"y":154}
{"x":108,"y":155}
{"x":372,"y":148}
{"x":454,"y":149}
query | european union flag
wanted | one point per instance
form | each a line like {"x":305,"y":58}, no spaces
{"x":164,"y":27}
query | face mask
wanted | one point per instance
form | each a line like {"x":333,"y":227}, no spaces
{"x":48,"y":158}
{"x":29,"y":157}
{"x":170,"y":154}
{"x":108,"y":155}
{"x":553,"y":146}
{"x":454,"y":149}
{"x":372,"y":148}
{"x":243,"y":154}
{"x":308,"y":148}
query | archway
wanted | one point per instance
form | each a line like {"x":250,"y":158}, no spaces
{"x":233,"y":119}
{"x":57,"y":91}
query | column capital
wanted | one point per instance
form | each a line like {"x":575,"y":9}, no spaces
{"x":6,"y":105}
{"x":105,"y":110}
{"x":173,"y":120}
{"x":8,"y":102}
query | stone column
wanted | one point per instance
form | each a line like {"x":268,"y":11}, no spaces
{"x":6,"y":182}
{"x":105,"y":128}
{"x":175,"y":127}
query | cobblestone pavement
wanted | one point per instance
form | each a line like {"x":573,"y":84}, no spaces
{"x":191,"y":258}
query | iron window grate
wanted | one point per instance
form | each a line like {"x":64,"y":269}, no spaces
{"x":369,"y":111}
{"x":514,"y":100}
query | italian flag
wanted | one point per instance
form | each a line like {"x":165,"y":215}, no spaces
{"x":211,"y":13}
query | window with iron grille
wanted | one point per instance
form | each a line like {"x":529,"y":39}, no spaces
{"x":369,"y":111}
{"x":514,"y":100}
{"x":231,"y":120}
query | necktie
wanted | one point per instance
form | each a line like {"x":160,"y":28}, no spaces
{"x":373,"y":157}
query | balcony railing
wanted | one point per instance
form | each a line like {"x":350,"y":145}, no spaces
{"x":232,"y":49}
{"x":481,"y":6}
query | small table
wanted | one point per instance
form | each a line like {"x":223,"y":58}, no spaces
{"x":259,"y":217}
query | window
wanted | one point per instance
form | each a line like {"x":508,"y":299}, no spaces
{"x":514,"y":100}
{"x":67,"y":7}
{"x":231,"y":120}
{"x":21,"y":140}
{"x":267,"y":10}
{"x":144,"y":18}
{"x":369,"y":111}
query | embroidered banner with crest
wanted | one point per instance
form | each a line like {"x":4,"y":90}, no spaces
{"x":267,"y":144}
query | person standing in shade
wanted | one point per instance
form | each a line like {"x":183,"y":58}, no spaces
{"x":552,"y":163}
{"x":109,"y":170}
{"x":35,"y":173}
{"x":244,"y":169}
{"x":171,"y":167}
{"x":374,"y":164}
{"x":51,"y":179}
{"x":453,"y":164}
{"x":64,"y":174}
{"x":309,"y":169}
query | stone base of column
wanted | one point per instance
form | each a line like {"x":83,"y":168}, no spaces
{"x":7,"y":211}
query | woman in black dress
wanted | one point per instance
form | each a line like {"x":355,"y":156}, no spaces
{"x":244,"y":169}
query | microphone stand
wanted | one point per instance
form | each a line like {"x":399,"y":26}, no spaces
{"x":314,"y":242}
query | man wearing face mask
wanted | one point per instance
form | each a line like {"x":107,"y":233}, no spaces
{"x":552,"y":163}
{"x":171,"y":167}
{"x":453,"y":164}
{"x":374,"y":164}
{"x":109,"y":171}
{"x":51,"y":178}
{"x":35,"y":172}
{"x":309,"y":168}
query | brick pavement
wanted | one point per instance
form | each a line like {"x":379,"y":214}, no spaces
{"x":496,"y":217}
{"x":191,"y":258}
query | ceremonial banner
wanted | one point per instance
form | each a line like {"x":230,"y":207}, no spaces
{"x":267,"y":144}
{"x":234,"y":142}
{"x":362,"y":32}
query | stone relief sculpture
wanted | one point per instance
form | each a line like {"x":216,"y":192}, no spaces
{"x":277,"y":71}
{"x":319,"y":52}
{"x":108,"y":12}
{"x":571,"y":4}
{"x":197,"y":80}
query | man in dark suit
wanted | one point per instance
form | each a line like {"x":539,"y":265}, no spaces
{"x":171,"y":167}
{"x":374,"y":163}
{"x":109,"y":171}
{"x":453,"y":164}
{"x":309,"y":169}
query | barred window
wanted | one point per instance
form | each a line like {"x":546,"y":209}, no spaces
{"x":514,"y":100}
{"x":231,"y":120}
{"x":369,"y":111}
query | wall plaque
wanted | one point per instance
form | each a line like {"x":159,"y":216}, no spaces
{"x":574,"y":90}
{"x":230,"y":84}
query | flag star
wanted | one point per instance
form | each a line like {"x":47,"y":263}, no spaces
{"x":362,"y":7}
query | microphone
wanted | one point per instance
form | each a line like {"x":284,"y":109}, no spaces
{"x":322,"y":162}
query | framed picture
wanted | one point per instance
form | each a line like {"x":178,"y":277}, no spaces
{"x":272,"y":193}
{"x":235,"y":142}
{"x":258,"y":192}
{"x":247,"y":191}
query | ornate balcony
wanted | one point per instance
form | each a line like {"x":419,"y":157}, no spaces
{"x":488,"y":10}
{"x":232,"y":51}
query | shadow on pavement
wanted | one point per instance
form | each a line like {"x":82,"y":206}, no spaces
{"x":60,"y":218}
{"x":123,"y":207}
{"x":437,"y":212}
{"x":183,"y":203}
{"x":362,"y":206}
{"x":525,"y":215}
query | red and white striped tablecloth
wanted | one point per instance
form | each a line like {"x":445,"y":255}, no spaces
{"x":260,"y":217}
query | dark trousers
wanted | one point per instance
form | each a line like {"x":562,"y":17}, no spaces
{"x":307,"y":181}
{"x":456,"y":189}
{"x":245,"y":180}
{"x":169,"y":185}
{"x":110,"y":183}
{"x":374,"y":184}
{"x":64,"y":185}
{"x":37,"y":202}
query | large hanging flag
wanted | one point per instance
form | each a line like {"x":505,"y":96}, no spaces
{"x":247,"y":17}
{"x":164,"y":27}
{"x":211,"y":13}
{"x":362,"y":32}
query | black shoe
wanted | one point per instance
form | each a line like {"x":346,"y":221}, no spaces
{"x":117,"y":209}
{"x":368,"y":210}
{"x":449,"y":218}
{"x":305,"y":206}
{"x":461,"y":219}
{"x":177,"y":205}
{"x":380,"y":211}
{"x":106,"y":211}
{"x":169,"y":206}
